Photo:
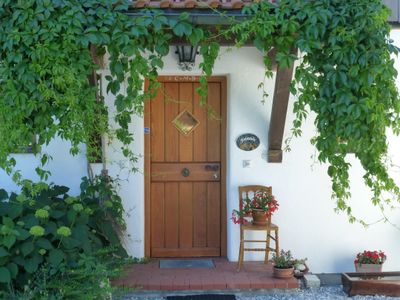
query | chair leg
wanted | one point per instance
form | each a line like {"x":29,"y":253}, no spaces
{"x":241,"y":251}
{"x":267,"y":247}
{"x":277,"y":241}
{"x":240,"y":260}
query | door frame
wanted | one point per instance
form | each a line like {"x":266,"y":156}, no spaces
{"x":147,"y":144}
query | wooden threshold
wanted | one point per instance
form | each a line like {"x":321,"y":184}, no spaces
{"x":179,"y":252}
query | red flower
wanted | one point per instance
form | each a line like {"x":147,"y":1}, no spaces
{"x":262,"y":200}
{"x":370,"y":257}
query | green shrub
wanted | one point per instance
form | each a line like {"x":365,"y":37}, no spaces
{"x":89,"y":279}
{"x":44,"y":226}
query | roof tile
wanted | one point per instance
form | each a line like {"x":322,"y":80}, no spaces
{"x":191,"y":4}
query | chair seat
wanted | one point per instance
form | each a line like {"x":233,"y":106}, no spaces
{"x":251,"y":226}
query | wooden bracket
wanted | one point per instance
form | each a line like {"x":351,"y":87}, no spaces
{"x":274,"y":155}
{"x":278,"y":114}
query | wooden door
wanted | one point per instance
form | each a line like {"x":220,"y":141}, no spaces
{"x":185,"y":157}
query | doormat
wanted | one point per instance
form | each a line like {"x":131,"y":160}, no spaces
{"x":203,"y":297}
{"x":186,"y":264}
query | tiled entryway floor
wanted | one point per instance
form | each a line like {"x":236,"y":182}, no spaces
{"x":254,"y":275}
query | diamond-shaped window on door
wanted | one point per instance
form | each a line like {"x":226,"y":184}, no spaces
{"x":185,"y":122}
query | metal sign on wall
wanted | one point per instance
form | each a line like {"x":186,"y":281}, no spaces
{"x":248,"y":142}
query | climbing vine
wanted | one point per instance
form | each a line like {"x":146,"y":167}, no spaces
{"x":345,"y":74}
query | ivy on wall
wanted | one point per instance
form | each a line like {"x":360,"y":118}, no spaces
{"x":346,"y":74}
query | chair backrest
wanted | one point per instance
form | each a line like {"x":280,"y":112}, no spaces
{"x":247,"y":191}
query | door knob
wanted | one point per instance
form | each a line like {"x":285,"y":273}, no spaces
{"x":185,"y":172}
{"x":215,"y":176}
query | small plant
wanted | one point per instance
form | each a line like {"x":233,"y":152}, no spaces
{"x":370,"y":257}
{"x":262,"y":200}
{"x":284,"y":260}
{"x":300,"y":264}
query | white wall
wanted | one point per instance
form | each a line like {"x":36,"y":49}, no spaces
{"x":308,"y":224}
{"x":65,"y":169}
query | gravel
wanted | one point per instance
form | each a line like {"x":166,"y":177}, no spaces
{"x":323,"y":293}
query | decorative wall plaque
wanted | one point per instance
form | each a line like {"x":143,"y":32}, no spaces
{"x":248,"y":142}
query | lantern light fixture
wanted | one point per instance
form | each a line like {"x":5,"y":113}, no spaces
{"x":186,"y":56}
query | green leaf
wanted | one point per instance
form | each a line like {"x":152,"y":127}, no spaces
{"x":3,"y":252}
{"x":184,"y":16}
{"x":13,"y":268}
{"x":56,"y":214}
{"x":108,"y":232}
{"x":331,"y":171}
{"x":71,"y":243}
{"x":80,"y":232}
{"x":43,"y":243}
{"x":3,"y":195}
{"x":71,"y":215}
{"x":27,"y":248}
{"x":59,"y":190}
{"x":51,"y":227}
{"x":31,"y":265}
{"x":19,"y":260}
{"x":259,"y":43}
{"x":56,"y":256}
{"x":30,"y":221}
{"x":8,"y":222}
{"x":182,"y":28}
{"x":23,"y":234}
{"x":196,"y":36}
{"x":5,"y":275}
{"x":9,"y":241}
{"x":3,"y":209}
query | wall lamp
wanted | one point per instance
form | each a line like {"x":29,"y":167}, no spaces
{"x":186,"y":56}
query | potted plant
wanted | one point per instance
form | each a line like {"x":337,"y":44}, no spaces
{"x":369,"y":261}
{"x":283,"y":264}
{"x":300,"y":267}
{"x":260,"y":207}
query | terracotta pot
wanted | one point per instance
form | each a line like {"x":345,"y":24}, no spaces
{"x":259,"y":217}
{"x":283,"y":273}
{"x":368,"y":268}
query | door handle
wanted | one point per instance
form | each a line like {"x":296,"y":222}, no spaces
{"x":211,"y":168}
{"x":185,"y":172}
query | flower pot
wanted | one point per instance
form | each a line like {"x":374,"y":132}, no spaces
{"x":283,"y":273}
{"x":368,"y":268}
{"x":300,"y":270}
{"x":259,"y":217}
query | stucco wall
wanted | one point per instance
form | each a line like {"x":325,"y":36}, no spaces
{"x":308,"y":224}
{"x":65,"y":169}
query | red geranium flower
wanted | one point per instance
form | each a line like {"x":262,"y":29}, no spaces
{"x":262,"y":200}
{"x":370,"y":257}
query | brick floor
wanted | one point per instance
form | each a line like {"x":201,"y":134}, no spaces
{"x":254,"y":275}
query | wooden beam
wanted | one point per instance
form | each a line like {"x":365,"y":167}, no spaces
{"x":97,"y":59}
{"x":278,"y":114}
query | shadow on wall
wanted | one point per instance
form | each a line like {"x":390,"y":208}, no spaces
{"x":343,"y":264}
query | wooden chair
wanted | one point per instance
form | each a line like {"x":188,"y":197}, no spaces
{"x":272,"y":230}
